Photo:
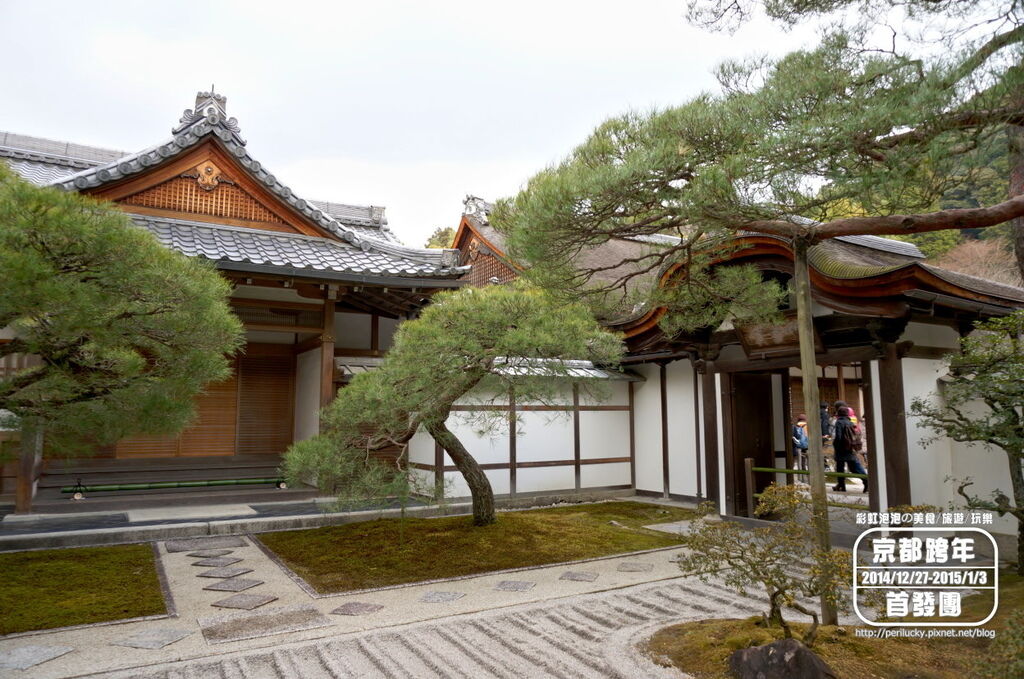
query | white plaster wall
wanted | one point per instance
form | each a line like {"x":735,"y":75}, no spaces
{"x":682,"y":445}
{"x":647,"y":420}
{"x":455,"y":485}
{"x":602,"y":475}
{"x":613,"y":394}
{"x":421,"y":448}
{"x":6,"y":333}
{"x":604,"y":433}
{"x":352,"y":331}
{"x":488,"y":449}
{"x":544,"y":436}
{"x":307,"y":394}
{"x":930,"y":466}
{"x":536,"y":479}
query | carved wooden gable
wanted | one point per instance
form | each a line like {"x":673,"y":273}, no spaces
{"x":208,"y":185}
{"x":220,"y":197}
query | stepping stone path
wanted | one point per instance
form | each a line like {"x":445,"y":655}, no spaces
{"x":579,"y":576}
{"x":356,"y":608}
{"x":228,"y":572}
{"x":440,"y":597}
{"x":24,"y":657}
{"x":245,"y":601}
{"x":217,"y":561}
{"x":238,"y":626}
{"x":210,"y":553}
{"x":514,"y":586}
{"x":635,"y":567}
{"x":154,"y":638}
{"x":233,"y":585}
{"x":191,"y":544}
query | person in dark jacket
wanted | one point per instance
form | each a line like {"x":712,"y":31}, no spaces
{"x":844,"y":441}
{"x":826,"y":423}
{"x":800,"y":444}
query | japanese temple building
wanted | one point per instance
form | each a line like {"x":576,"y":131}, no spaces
{"x":321,"y":287}
{"x":883,"y":316}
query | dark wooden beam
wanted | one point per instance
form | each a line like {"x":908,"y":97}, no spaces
{"x":327,"y":355}
{"x":894,"y":427}
{"x":274,"y":327}
{"x":870,"y":449}
{"x":375,"y":332}
{"x":663,"y":372}
{"x":632,"y":435}
{"x":512,"y":462}
{"x":849,"y":355}
{"x":576,"y":432}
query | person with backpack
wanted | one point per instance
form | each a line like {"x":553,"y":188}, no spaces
{"x":847,"y":442}
{"x":800,"y":444}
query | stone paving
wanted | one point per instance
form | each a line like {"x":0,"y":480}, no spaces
{"x":590,"y":635}
{"x":263,"y":606}
{"x":234,"y":604}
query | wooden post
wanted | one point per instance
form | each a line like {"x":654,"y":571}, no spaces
{"x":894,"y":427}
{"x":664,"y":430}
{"x":632,"y":436}
{"x":576,"y":434}
{"x":512,"y":443}
{"x":809,"y":372}
{"x":327,"y":355}
{"x":840,"y":384}
{"x":28,"y":465}
{"x":748,"y":477}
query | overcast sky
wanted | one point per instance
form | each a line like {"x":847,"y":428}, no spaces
{"x":410,"y":105}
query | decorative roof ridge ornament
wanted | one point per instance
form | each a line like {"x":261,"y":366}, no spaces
{"x":211,"y":107}
{"x":474,"y":206}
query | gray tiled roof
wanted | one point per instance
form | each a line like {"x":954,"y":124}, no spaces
{"x":244,"y":245}
{"x":57,"y":151}
{"x":76,"y":166}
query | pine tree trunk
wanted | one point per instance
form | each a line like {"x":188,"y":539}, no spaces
{"x":479,"y":486}
{"x":1017,"y":482}
{"x":809,"y":372}
{"x":1015,"y":137}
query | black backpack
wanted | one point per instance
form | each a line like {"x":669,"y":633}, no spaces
{"x":851,"y":437}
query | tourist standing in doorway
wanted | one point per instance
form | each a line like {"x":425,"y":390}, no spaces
{"x":847,"y":442}
{"x":800,"y":443}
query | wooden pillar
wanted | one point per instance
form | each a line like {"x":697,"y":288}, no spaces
{"x":511,"y":443}
{"x":663,"y":373}
{"x":327,"y":355}
{"x":840,"y":382}
{"x":870,"y":449}
{"x":30,"y":459}
{"x":894,"y":427}
{"x":696,"y":432}
{"x":710,"y":405}
{"x":632,"y":436}
{"x":576,"y":433}
{"x":375,"y":332}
